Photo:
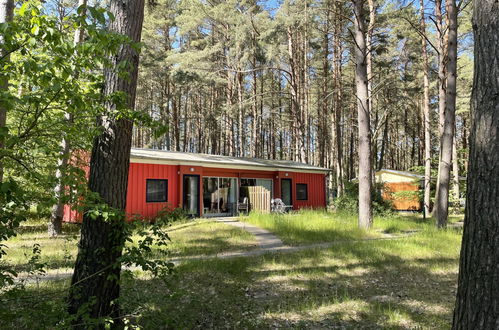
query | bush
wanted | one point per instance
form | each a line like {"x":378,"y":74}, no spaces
{"x":349,"y":201}
{"x":170,"y":214}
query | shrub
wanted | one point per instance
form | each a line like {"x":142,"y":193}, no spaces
{"x":349,"y":201}
{"x":170,"y":214}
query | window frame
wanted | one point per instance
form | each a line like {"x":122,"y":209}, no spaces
{"x":166,"y":193}
{"x":306,"y":192}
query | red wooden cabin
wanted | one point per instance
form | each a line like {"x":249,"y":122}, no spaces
{"x":211,"y":185}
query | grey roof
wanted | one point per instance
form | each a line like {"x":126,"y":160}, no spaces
{"x":234,"y":162}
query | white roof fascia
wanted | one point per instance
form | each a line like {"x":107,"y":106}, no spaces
{"x":211,"y":164}
{"x":402,"y":173}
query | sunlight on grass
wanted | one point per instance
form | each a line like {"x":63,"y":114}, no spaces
{"x":308,"y":226}
{"x":208,"y":237}
{"x":356,"y":284}
{"x":192,"y":238}
{"x":408,"y":282}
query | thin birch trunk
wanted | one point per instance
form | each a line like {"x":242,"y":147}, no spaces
{"x":426,"y":116}
{"x":55,"y":224}
{"x":6,"y":15}
{"x":455,"y":170}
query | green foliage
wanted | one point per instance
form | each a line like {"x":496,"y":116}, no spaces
{"x":50,"y":78}
{"x":13,"y":210}
{"x":168,"y":215}
{"x":408,"y":195}
{"x":349,"y":201}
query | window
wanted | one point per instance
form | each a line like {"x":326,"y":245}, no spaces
{"x":301,"y":191}
{"x":156,"y":190}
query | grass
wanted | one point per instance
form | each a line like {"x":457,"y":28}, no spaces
{"x":405,"y":283}
{"x":393,"y":284}
{"x":188,"y":239}
{"x":306,"y":226}
{"x":205,"y":237}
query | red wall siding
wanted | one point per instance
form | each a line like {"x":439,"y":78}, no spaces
{"x":79,"y":159}
{"x":136,"y":194}
{"x":71,"y":215}
{"x":316,"y":190}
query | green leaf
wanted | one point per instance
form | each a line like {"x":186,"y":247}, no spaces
{"x":23,"y":8}
{"x":35,"y":30}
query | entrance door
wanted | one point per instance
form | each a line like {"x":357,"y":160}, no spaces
{"x":191,"y":195}
{"x":219,"y":196}
{"x":286,"y":192}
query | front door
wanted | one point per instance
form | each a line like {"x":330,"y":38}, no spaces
{"x":286,"y":192}
{"x":191,"y":195}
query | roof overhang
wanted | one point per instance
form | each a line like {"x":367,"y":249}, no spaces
{"x":164,"y":161}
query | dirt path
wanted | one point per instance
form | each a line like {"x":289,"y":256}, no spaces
{"x":267,"y":243}
{"x":265,"y":239}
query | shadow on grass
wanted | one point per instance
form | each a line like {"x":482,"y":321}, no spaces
{"x":210,"y":246}
{"x":51,"y":264}
{"x":359,"y":287}
{"x":37,"y":307}
{"x":356,"y":285}
{"x":42,"y":228}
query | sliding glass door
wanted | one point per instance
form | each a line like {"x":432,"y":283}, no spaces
{"x":219,"y":196}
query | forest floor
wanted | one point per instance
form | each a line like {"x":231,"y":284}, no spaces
{"x":356,"y":283}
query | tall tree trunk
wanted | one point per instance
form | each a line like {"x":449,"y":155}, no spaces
{"x":95,"y":284}
{"x":322,"y":112}
{"x":55,"y":224}
{"x":361,"y":80}
{"x":384,"y":142}
{"x":477,"y":301}
{"x":6,"y":15}
{"x":426,"y":115}
{"x":455,"y":170}
{"x":442,"y":55}
{"x":442,"y":194}
{"x":240,"y":116}
{"x":254,"y":123}
{"x":338,"y":98}
{"x":306,"y":84}
{"x":369,"y":49}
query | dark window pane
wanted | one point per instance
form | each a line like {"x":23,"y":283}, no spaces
{"x":286,"y":193}
{"x":301,"y":192}
{"x":156,"y":190}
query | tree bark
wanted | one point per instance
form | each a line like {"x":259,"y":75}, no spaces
{"x":55,"y":224}
{"x":455,"y":170}
{"x":442,"y":54}
{"x":384,"y":142}
{"x":426,"y":115}
{"x":338,"y":97}
{"x":240,"y":116}
{"x":95,"y":282}
{"x":442,"y":194}
{"x":477,"y":301}
{"x":369,"y":56}
{"x":365,"y":207}
{"x":6,"y":15}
